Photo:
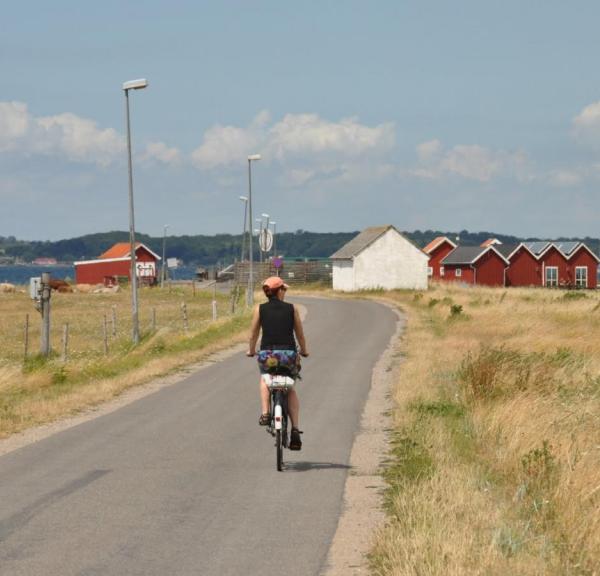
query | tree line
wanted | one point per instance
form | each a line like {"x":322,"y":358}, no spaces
{"x":224,"y":249}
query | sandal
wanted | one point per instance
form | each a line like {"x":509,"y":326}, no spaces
{"x":295,"y":440}
{"x":264,"y":420}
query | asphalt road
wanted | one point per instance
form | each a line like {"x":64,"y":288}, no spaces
{"x":183,"y":481}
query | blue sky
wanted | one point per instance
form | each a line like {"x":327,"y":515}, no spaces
{"x":477,"y":115}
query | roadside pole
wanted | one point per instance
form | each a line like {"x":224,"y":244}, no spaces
{"x":45,"y":312}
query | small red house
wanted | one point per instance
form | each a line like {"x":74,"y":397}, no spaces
{"x":437,"y":250}
{"x":569,"y":265}
{"x":524,"y":268}
{"x":115,"y":263}
{"x":475,"y":265}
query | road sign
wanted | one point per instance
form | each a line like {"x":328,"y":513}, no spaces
{"x":278,"y":262}
{"x":265,"y":240}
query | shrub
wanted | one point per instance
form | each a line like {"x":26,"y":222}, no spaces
{"x":455,"y":310}
{"x":570,"y":296}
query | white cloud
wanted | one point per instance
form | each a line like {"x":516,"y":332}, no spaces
{"x":297,"y":137}
{"x":565,"y":178}
{"x":78,"y":139}
{"x":471,"y":162}
{"x":428,"y":151}
{"x":14,"y":123}
{"x":586,"y":125}
{"x":160,"y":152}
{"x":589,"y":117}
{"x":308,"y":134}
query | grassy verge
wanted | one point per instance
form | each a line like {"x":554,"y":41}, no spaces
{"x":40,"y":390}
{"x":494,"y":464}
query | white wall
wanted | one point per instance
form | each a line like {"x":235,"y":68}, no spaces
{"x":343,"y":275}
{"x":391,"y":262}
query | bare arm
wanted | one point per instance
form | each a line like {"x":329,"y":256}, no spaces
{"x":299,"y":332}
{"x":254,"y":331}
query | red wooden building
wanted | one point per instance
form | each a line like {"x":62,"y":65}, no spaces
{"x":475,"y":265}
{"x":524,"y":269}
{"x":437,"y":250}
{"x":550,"y":264}
{"x":115,"y":263}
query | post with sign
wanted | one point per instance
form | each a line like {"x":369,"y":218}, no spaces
{"x":44,"y":308}
{"x":265,"y":240}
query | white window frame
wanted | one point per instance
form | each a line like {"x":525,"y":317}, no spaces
{"x":429,"y":271}
{"x":578,"y":283}
{"x":441,"y":270}
{"x":458,"y":272}
{"x":551,"y":283}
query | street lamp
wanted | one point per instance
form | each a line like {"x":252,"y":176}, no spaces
{"x":250,"y":296}
{"x":274,"y":244}
{"x":164,"y":251}
{"x":244,"y":199}
{"x":139,"y":84}
{"x":259,"y":234}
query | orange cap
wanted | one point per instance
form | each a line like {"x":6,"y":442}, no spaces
{"x":274,"y":283}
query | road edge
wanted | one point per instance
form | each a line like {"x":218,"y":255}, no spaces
{"x":363,"y":510}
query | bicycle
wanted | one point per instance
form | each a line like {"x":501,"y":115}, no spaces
{"x":279,"y":386}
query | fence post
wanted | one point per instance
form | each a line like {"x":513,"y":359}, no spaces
{"x":105,"y":335}
{"x":114,"y":321}
{"x":153,"y":319}
{"x":65,"y":342}
{"x":184,"y":315}
{"x":26,"y":352}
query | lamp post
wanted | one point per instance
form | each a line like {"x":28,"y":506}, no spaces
{"x":135,"y":333}
{"x":164,"y":252}
{"x":250,"y":296}
{"x":265,"y":234}
{"x":259,"y":234}
{"x":274,"y":244}
{"x":244,"y":199}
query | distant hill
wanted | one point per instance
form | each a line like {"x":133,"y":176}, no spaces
{"x":225,"y":248}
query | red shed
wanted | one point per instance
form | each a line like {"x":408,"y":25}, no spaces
{"x":437,"y":250}
{"x":583,"y":265}
{"x":524,"y":268}
{"x":115,"y":263}
{"x":476,"y":265}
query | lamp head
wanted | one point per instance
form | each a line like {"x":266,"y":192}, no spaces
{"x":244,"y":198}
{"x":254,"y":157}
{"x":138,"y":84}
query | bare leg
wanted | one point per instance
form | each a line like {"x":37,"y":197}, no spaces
{"x":293,"y":407}
{"x":264,"y":397}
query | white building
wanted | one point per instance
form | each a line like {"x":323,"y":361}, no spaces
{"x":379,"y":257}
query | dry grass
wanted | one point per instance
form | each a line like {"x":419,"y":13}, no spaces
{"x":495,"y":464}
{"x":41,"y":390}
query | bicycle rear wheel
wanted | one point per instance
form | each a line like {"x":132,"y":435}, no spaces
{"x":279,"y":449}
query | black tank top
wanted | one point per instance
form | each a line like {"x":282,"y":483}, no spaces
{"x":277,"y":323}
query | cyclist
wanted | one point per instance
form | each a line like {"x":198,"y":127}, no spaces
{"x":279,"y":321}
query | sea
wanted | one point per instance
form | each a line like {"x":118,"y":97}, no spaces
{"x":20,"y":274}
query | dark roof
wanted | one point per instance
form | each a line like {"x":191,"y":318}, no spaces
{"x":469,"y":254}
{"x":360,"y":242}
{"x":506,"y":249}
{"x":464,"y":255}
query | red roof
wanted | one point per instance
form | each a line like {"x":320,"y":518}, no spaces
{"x":121,"y":250}
{"x":490,"y":242}
{"x":437,"y":242}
